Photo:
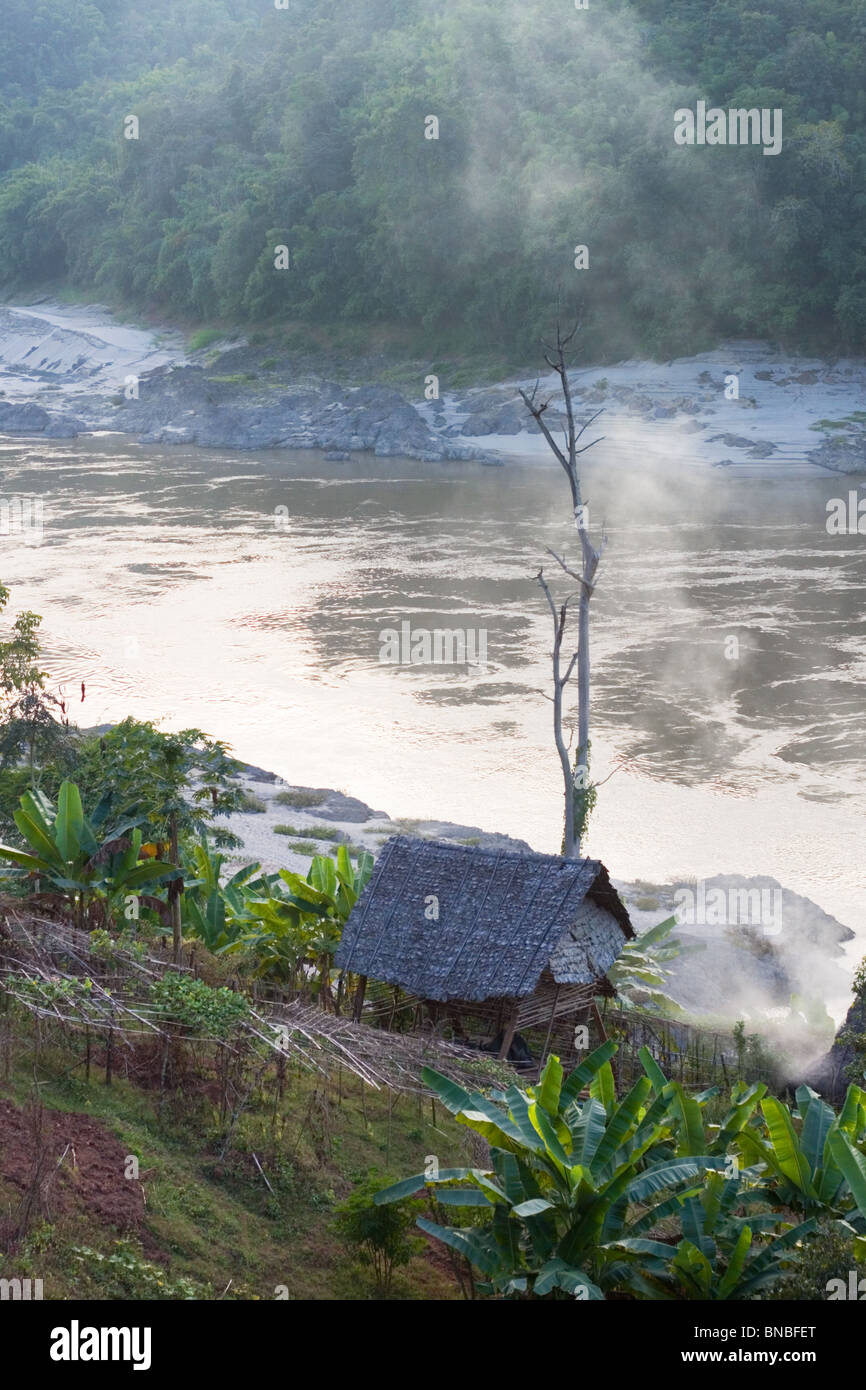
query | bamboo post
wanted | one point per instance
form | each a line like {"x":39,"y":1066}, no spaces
{"x":598,"y":1019}
{"x":549,"y":1027}
{"x":510,"y":1030}
{"x":359,"y":998}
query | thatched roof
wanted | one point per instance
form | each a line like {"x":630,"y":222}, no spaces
{"x":502,"y":918}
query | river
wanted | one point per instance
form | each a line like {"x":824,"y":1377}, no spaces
{"x":247,"y":595}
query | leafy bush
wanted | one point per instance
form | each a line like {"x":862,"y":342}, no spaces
{"x":299,"y":800}
{"x":124,"y":1274}
{"x":197,"y":1007}
{"x":185,"y":781}
{"x":379,"y":1234}
{"x":314,"y":832}
{"x":833,"y":1253}
{"x":203,"y":338}
{"x":853,"y":1034}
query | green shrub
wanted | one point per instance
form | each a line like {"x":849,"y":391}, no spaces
{"x":853,"y":1034}
{"x":203,"y":338}
{"x":194,"y":1005}
{"x":124,"y":1274}
{"x":317,"y":832}
{"x":379,"y":1234}
{"x":299,"y":799}
{"x":831,"y":1256}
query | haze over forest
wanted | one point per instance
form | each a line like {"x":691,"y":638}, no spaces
{"x":305,"y":126}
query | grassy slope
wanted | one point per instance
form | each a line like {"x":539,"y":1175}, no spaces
{"x":214,"y":1222}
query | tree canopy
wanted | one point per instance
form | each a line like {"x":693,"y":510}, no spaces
{"x":306,"y":127}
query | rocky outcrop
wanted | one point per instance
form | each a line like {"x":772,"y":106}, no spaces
{"x":368,"y":827}
{"x":830,"y":1075}
{"x":843,"y":453}
{"x":29,"y":419}
{"x":66,"y":370}
{"x":760,"y":449}
{"x":189,"y":405}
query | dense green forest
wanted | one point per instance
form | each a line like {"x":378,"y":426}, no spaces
{"x":305,"y":127}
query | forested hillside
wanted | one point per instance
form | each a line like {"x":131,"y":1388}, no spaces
{"x":305,"y":127}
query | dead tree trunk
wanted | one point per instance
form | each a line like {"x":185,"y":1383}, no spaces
{"x":579,"y":791}
{"x":570,"y":846}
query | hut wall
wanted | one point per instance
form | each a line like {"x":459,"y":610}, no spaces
{"x":589,"y":947}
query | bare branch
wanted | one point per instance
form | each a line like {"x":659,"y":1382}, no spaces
{"x":586,"y":424}
{"x":547,"y":594}
{"x":562,"y":563}
{"x":567,"y":677}
{"x":536,"y":412}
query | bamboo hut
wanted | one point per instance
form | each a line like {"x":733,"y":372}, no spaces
{"x":504,"y":940}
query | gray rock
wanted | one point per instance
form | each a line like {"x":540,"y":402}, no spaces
{"x":732,"y":441}
{"x":841,"y":454}
{"x":332,"y":805}
{"x":23,"y":419}
{"x":467,"y":835}
{"x":498,"y":417}
{"x":830,"y":1075}
{"x":170,"y":434}
{"x":64,"y":427}
{"x":219,"y":408}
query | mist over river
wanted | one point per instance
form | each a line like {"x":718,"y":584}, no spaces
{"x":246,"y":595}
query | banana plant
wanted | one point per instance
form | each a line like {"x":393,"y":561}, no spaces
{"x":821,"y":1167}
{"x":686,"y":1111}
{"x":639,"y":974}
{"x":336,"y":885}
{"x":212,"y":910}
{"x":288,"y":922}
{"x":717,"y":1258}
{"x":86,"y":860}
{"x":567,"y":1176}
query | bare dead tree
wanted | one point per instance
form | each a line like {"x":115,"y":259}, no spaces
{"x":579,"y":791}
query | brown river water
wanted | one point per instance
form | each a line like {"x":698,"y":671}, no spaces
{"x":246,"y":594}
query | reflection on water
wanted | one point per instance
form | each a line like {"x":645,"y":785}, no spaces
{"x":729,"y":639}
